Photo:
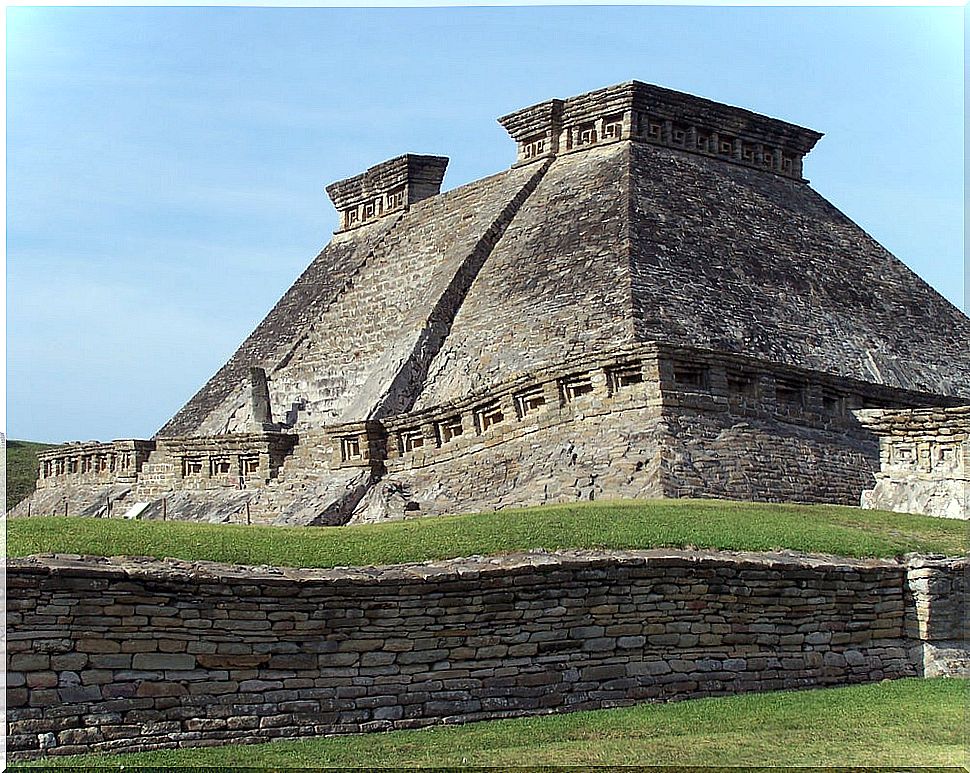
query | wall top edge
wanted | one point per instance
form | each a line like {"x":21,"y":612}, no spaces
{"x":896,"y":421}
{"x":95,"y":446}
{"x":203,"y":572}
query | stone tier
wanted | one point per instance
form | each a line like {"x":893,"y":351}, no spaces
{"x":918,"y":423}
{"x":638,"y":375}
{"x":241,"y":460}
{"x":640,"y":420}
{"x":119,"y":461}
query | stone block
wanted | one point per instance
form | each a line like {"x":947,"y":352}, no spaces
{"x":119,"y":690}
{"x":43,"y":698}
{"x":213,"y":688}
{"x":630,"y":642}
{"x":95,"y":676}
{"x":229,"y":660}
{"x":79,"y":694}
{"x":37,"y":679}
{"x":29,"y":662}
{"x":603,"y":673}
{"x":168,"y":661}
{"x":99,"y":646}
{"x":854,"y":658}
{"x":294,"y":661}
{"x":834,"y":659}
{"x":73,"y":661}
{"x":259,"y":685}
{"x":160,"y":689}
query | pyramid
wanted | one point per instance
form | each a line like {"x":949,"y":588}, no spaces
{"x":652,"y":301}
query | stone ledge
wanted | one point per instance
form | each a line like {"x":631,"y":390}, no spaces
{"x":170,"y":569}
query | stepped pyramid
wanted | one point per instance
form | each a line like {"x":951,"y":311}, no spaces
{"x":652,"y":301}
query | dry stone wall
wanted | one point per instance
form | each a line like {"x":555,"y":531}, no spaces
{"x":125,"y":654}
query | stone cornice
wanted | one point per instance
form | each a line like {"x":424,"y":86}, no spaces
{"x":646,"y":113}
{"x":387,"y":187}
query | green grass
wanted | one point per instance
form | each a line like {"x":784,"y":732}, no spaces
{"x":906,"y":722}
{"x":21,"y":470}
{"x":611,"y":525}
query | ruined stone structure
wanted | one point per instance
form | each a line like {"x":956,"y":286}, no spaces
{"x":650,"y":302}
{"x":924,"y":457}
{"x":131,"y":654}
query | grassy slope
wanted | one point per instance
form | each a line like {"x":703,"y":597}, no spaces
{"x":21,"y":469}
{"x":907,"y":722}
{"x":668,"y":523}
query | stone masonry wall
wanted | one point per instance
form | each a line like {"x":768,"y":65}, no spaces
{"x":575,"y":453}
{"x":125,"y":654}
{"x":643,"y":420}
{"x":653,"y":421}
{"x":708,"y":454}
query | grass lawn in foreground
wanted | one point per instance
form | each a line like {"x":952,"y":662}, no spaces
{"x":845,"y":531}
{"x":906,"y":722}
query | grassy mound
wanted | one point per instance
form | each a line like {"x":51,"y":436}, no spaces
{"x":910,"y":722}
{"x":842,"y":531}
{"x":21,"y":470}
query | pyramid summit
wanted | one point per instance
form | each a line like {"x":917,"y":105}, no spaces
{"x":651,"y":301}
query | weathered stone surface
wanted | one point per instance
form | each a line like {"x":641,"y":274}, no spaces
{"x":924,"y":457}
{"x":150,"y":661}
{"x":469,"y":639}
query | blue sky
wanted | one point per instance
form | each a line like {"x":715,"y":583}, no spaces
{"x":166,"y":166}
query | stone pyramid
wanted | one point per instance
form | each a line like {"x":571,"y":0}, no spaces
{"x":652,"y":301}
